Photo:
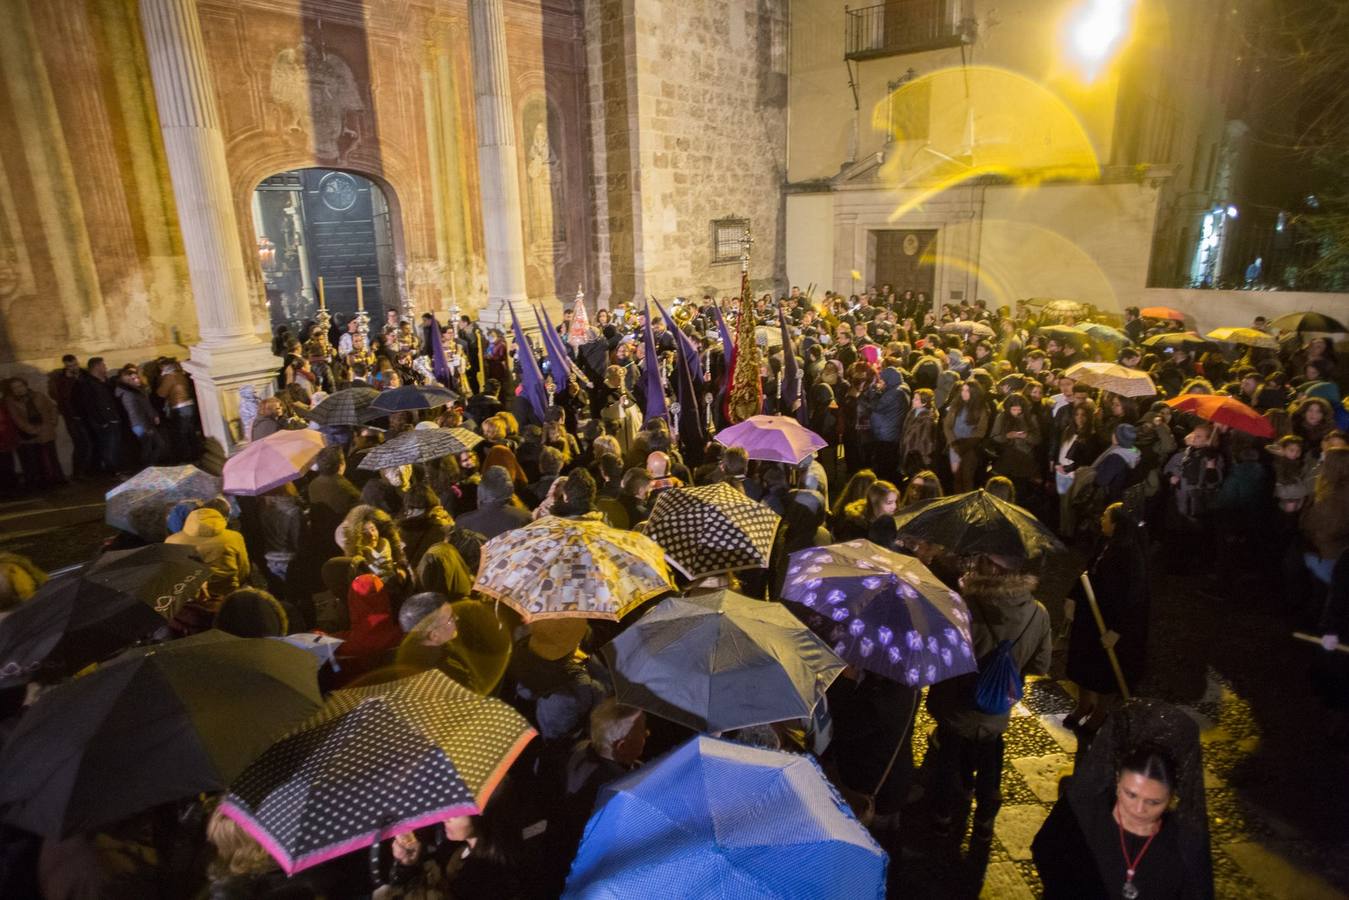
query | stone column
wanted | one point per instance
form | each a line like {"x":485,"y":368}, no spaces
{"x":230,"y":355}
{"x":498,"y":164}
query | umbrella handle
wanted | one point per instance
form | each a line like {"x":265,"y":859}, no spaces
{"x":1100,"y":624}
{"x":899,"y":745}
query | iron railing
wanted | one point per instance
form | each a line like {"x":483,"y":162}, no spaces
{"x":900,"y":26}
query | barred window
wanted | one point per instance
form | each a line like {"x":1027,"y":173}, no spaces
{"x":726,"y":237}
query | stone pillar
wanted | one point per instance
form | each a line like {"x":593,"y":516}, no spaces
{"x":230,"y":355}
{"x":498,"y":164}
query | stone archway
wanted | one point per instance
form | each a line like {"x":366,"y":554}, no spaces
{"x":336,"y":225}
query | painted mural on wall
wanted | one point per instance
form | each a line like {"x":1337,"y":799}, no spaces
{"x":317,"y":95}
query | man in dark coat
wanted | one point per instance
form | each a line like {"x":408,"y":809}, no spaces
{"x":497,"y":512}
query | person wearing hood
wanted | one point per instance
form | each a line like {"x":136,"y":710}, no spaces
{"x":969,"y":740}
{"x":1114,"y":465}
{"x":498,"y":511}
{"x":374,"y":628}
{"x":221,"y":549}
{"x":889,"y":402}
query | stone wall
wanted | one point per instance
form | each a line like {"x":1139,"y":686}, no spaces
{"x":91,"y":259}
{"x":688,"y":111}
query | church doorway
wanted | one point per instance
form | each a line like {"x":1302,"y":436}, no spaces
{"x":327,"y":224}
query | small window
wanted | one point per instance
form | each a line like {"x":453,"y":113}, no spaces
{"x":727,"y":235}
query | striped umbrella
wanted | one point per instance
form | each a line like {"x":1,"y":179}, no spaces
{"x":375,"y":762}
{"x":1114,"y":378}
{"x":266,"y":464}
{"x":419,"y":445}
{"x":556,"y":568}
{"x":711,"y":529}
{"x":344,"y":407}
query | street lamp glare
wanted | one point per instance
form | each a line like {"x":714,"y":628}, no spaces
{"x":1095,"y":32}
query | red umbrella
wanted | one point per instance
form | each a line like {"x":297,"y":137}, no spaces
{"x":1224,"y":410}
{"x":1161,"y":312}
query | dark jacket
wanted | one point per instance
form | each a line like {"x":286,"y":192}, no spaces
{"x":889,"y":400}
{"x":95,"y":401}
{"x":494,"y":520}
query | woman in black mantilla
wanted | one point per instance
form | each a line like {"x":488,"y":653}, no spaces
{"x":1131,"y":822}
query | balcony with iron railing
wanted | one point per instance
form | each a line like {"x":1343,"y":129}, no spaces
{"x":901,"y":26}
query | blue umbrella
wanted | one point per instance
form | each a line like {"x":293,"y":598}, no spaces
{"x":883,"y":612}
{"x":716,"y":819}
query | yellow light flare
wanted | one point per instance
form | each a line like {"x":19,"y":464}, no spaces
{"x":958,"y":124}
{"x":1094,"y":32}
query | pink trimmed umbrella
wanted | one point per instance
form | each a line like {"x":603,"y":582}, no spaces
{"x":773,"y":438}
{"x":266,"y":464}
{"x":375,"y":762}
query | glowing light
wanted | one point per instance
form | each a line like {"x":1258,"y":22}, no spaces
{"x":1095,"y":32}
{"x":1231,"y":212}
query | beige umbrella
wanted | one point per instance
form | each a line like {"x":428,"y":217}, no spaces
{"x":557,"y":568}
{"x":1114,"y":378}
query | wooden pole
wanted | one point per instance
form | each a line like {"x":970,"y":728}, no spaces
{"x":1100,"y":624}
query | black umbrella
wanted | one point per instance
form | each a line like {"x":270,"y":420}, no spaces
{"x":412,"y":396}
{"x":124,"y":596}
{"x":1308,"y":323}
{"x":154,"y":725}
{"x":977,"y":522}
{"x":344,"y":407}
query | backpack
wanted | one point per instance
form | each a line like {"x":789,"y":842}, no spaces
{"x":1000,"y":684}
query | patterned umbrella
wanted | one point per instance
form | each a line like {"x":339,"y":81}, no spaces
{"x":975,"y":328}
{"x":718,"y":661}
{"x":1161,"y":312}
{"x":266,"y":464}
{"x":154,"y":725}
{"x":375,"y":762}
{"x":344,"y":407}
{"x":139,"y":504}
{"x":1224,"y":410}
{"x":772,"y":438}
{"x":1104,"y":334}
{"x":1114,"y":378}
{"x":713,"y":819}
{"x":1177,"y":340}
{"x":557,"y":568}
{"x":977,"y":522}
{"x":1247,"y":337}
{"x":412,"y":396}
{"x":712,"y":529}
{"x":418,"y":445}
{"x":883,"y":612}
{"x":86,"y":616}
{"x":1308,"y":323}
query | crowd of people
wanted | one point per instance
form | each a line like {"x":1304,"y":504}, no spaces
{"x":912,"y":403}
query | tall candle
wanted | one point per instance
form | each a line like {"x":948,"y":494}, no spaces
{"x":360,"y":294}
{"x":322,"y":303}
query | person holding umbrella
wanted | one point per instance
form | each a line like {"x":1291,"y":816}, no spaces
{"x":969,"y":736}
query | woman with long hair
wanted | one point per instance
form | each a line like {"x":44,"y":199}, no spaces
{"x":965,"y":426}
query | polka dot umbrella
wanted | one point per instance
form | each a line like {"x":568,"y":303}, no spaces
{"x":572,"y":568}
{"x":375,"y":762}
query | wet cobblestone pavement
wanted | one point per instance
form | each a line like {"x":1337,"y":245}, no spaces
{"x":1277,"y":787}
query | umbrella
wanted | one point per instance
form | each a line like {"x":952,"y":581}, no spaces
{"x":1104,"y":334}
{"x":412,"y":396}
{"x":375,"y":762}
{"x":1161,"y":312}
{"x":1177,"y":340}
{"x":1114,"y":378}
{"x":712,"y":529}
{"x":885,"y":612}
{"x":718,"y":661}
{"x":266,"y":464}
{"x":1224,"y":410}
{"x":417,"y":445}
{"x":977,"y":522}
{"x":322,"y":647}
{"x":975,"y":328}
{"x":1308,"y":323}
{"x":1066,"y":308}
{"x":140,"y":504}
{"x":714,"y":819}
{"x":85,"y":616}
{"x":572,"y":568}
{"x":154,"y":725}
{"x":772,"y":438}
{"x":1246,"y":336}
{"x":345,"y":407}
{"x":1063,"y":333}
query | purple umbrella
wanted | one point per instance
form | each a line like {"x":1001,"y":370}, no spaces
{"x":882,"y":612}
{"x":772,"y":438}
